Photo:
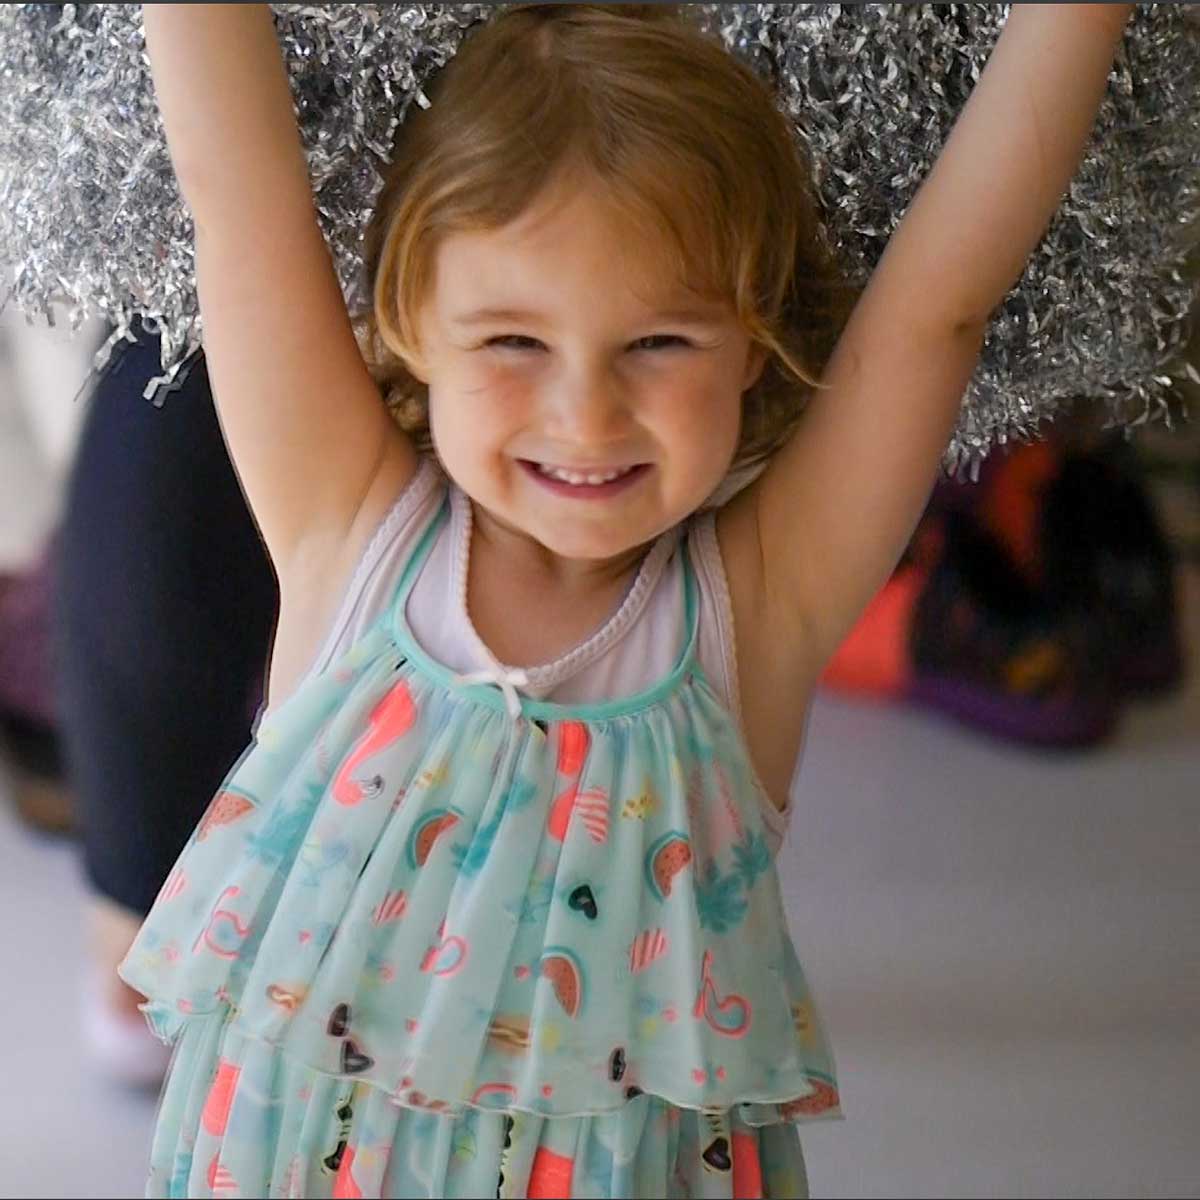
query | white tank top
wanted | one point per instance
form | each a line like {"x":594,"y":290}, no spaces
{"x":631,"y":651}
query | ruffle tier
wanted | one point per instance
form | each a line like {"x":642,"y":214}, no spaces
{"x":240,"y":1119}
{"x":400,"y":887}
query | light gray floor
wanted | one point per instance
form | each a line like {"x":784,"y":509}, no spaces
{"x":1006,"y":948}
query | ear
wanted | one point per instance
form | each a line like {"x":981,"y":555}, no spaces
{"x":414,"y":363}
{"x":756,"y":360}
{"x":414,"y":359}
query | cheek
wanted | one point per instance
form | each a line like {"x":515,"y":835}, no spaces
{"x":703,"y":402}
{"x":496,"y":393}
{"x":477,"y":396}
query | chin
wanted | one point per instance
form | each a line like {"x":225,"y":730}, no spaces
{"x":590,"y":544}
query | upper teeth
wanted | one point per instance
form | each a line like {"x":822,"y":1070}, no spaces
{"x":576,"y":477}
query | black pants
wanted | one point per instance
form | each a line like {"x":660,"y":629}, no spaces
{"x":164,"y":609}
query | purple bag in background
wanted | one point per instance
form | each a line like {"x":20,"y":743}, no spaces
{"x":27,"y":690}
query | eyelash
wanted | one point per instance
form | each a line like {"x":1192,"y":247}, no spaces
{"x":516,"y":341}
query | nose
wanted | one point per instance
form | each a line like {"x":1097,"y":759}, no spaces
{"x":588,"y":406}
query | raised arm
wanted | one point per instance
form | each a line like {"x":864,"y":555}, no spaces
{"x":836,"y":507}
{"x":307,"y":431}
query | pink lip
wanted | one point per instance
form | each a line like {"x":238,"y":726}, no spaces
{"x":585,"y":491}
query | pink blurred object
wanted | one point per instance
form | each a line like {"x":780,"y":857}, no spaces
{"x":26,"y":666}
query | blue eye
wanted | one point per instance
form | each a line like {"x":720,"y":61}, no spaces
{"x":515,"y":341}
{"x":660,"y":341}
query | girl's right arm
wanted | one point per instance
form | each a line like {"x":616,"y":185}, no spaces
{"x":315,"y":449}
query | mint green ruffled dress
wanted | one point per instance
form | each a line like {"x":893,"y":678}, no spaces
{"x":430,"y":942}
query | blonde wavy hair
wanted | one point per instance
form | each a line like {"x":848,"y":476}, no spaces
{"x":684,"y":139}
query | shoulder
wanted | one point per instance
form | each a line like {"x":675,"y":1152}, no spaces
{"x":765,"y":621}
{"x":391,"y":525}
{"x":403,"y":488}
{"x":326,"y":603}
{"x":771,"y":676}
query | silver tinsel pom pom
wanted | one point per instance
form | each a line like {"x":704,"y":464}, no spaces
{"x":90,"y":215}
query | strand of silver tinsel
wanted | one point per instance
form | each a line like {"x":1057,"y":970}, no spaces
{"x":90,"y":215}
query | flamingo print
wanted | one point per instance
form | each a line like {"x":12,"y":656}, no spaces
{"x":592,"y":805}
{"x":391,"y":718}
{"x":732,"y":1015}
{"x":210,"y":935}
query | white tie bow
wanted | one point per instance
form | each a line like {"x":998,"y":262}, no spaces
{"x":508,"y":682}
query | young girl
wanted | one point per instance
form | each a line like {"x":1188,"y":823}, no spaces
{"x":489,"y":905}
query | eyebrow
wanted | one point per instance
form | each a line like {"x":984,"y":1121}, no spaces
{"x":480,"y":316}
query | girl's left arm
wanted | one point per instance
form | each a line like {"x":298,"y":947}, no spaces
{"x":837,"y":505}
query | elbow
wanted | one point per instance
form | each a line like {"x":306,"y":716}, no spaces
{"x":939,"y":331}
{"x":970,"y":330}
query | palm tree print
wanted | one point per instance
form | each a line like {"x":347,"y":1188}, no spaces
{"x":720,"y":899}
{"x":469,"y":858}
{"x":537,"y":898}
{"x":284,"y":830}
{"x":751,"y":856}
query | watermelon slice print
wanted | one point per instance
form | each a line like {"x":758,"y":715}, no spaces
{"x":667,"y":856}
{"x":226,"y":807}
{"x":824,"y":1098}
{"x":427,"y":831}
{"x":564,"y":970}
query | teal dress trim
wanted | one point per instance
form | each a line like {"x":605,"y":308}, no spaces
{"x":535,"y":710}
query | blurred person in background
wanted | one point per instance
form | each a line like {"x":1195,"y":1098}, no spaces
{"x":160,"y":659}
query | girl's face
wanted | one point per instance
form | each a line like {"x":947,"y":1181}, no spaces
{"x":549,"y":342}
